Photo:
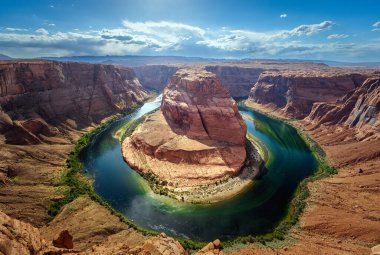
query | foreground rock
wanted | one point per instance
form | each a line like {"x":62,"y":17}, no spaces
{"x":197,"y":138}
{"x":19,"y":238}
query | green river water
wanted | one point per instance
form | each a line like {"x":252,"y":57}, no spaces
{"x":255,"y":211}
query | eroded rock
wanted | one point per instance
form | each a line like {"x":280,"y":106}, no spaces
{"x":198,"y":137}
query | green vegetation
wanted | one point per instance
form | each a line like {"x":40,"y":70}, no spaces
{"x":298,"y":203}
{"x":76,"y":185}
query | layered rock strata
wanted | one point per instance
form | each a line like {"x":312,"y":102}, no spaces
{"x":295,"y":92}
{"x":197,"y":137}
{"x":359,"y":109}
{"x":36,"y":97}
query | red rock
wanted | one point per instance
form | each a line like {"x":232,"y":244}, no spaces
{"x":294,"y":92}
{"x":64,"y":240}
{"x":196,"y":104}
{"x":358,"y":109}
{"x":40,"y":95}
{"x":199,"y":127}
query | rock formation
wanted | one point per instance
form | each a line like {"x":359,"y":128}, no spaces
{"x":198,"y":136}
{"x":155,"y":77}
{"x":237,"y":80}
{"x":295,"y":92}
{"x":64,"y":240}
{"x":38,"y":96}
{"x":20,"y":238}
{"x":359,"y":109}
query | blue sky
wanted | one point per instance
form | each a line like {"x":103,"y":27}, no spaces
{"x":326,"y":30}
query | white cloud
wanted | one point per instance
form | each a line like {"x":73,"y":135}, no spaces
{"x":337,"y":36}
{"x":178,"y":38}
{"x":376,"y":26}
{"x":283,"y":16}
{"x":51,"y":25}
{"x":245,"y":40}
{"x":165,"y":33}
{"x":14,"y":29}
{"x":42,"y":31}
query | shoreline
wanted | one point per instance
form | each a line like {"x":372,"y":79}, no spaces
{"x":218,"y":191}
{"x":226,"y":188}
{"x":283,"y":227}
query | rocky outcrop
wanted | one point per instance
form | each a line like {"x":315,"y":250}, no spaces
{"x":63,"y":240}
{"x":155,"y":77}
{"x":212,"y":248}
{"x":158,"y":245}
{"x":199,"y":128}
{"x":237,"y":80}
{"x":19,"y":238}
{"x":295,"y":92}
{"x":359,"y":109}
{"x":38,"y":96}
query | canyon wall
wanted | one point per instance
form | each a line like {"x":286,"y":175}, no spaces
{"x":295,"y":92}
{"x":155,"y":77}
{"x":358,"y":109}
{"x":237,"y":80}
{"x":36,"y":97}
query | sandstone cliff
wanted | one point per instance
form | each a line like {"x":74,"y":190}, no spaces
{"x":237,"y":80}
{"x":359,"y":109}
{"x":198,"y":136}
{"x":155,"y":77}
{"x":295,"y":92}
{"x":36,"y":97}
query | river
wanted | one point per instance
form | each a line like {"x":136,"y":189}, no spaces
{"x":256,"y":211}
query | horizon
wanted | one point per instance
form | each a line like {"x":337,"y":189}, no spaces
{"x":266,"y":30}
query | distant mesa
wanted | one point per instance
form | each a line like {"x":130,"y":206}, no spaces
{"x":197,"y":137}
{"x":4,"y":57}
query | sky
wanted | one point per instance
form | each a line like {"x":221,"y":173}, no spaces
{"x":337,"y":30}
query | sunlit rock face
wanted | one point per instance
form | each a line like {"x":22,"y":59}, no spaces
{"x":295,"y":92}
{"x":36,"y":96}
{"x":197,"y":137}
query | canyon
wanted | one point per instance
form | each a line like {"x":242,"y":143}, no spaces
{"x":197,"y":137}
{"x":46,"y":106}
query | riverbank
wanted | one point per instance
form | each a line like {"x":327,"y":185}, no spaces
{"x":194,"y":245}
{"x":298,"y":203}
{"x":218,"y":191}
{"x":338,"y":215}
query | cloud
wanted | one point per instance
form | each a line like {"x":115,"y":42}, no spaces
{"x":337,"y":36}
{"x":376,"y":26}
{"x":42,"y":31}
{"x":244,"y":40}
{"x":165,"y":37}
{"x":14,"y":29}
{"x":166,"y":34}
{"x":118,"y":37}
{"x":51,"y":25}
{"x":310,"y":29}
{"x":283,"y":16}
{"x":51,"y":6}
